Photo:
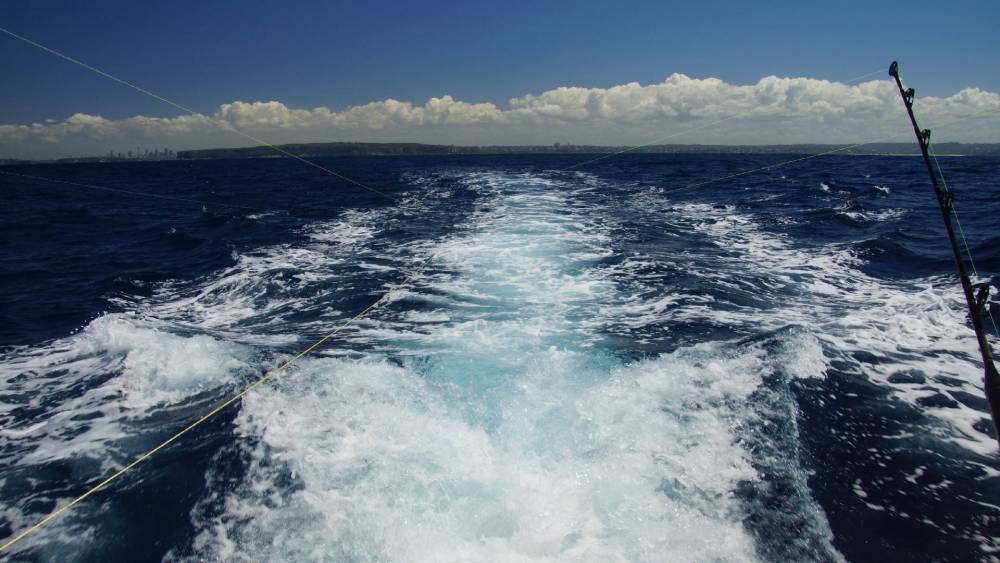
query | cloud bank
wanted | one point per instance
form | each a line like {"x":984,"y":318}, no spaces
{"x":772,"y":111}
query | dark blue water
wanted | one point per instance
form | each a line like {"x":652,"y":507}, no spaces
{"x":591,"y":366}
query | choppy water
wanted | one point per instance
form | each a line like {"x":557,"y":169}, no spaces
{"x":589,"y":369}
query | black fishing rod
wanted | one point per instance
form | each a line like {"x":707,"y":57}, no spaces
{"x":977,"y":303}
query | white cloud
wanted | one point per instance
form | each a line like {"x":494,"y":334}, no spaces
{"x":374,"y":115}
{"x":774,"y":110}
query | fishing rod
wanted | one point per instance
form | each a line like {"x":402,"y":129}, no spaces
{"x":976,"y":303}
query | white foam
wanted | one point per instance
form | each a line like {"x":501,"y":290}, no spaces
{"x":158,"y":366}
{"x":891,"y":214}
{"x":499,"y":430}
{"x":918,"y":324}
{"x":635,"y":467}
{"x":352,"y":227}
{"x":97,"y":385}
{"x":510,"y":435}
{"x":265,"y":286}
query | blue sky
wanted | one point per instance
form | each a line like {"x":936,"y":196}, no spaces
{"x":338,"y":54}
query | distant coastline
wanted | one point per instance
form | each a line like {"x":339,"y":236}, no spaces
{"x":418,"y":149}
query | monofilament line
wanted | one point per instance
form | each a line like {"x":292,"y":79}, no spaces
{"x":812,"y":156}
{"x":221,"y":123}
{"x":133,"y":193}
{"x":690,"y":130}
{"x":220,"y":407}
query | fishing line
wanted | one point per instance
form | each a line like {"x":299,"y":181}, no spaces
{"x":961,"y":232}
{"x":811,"y":156}
{"x":975,"y":294}
{"x":268,"y":375}
{"x":132,"y":193}
{"x":954,"y":213}
{"x":691,"y":130}
{"x":220,"y":407}
{"x":221,"y":123}
{"x":954,"y":210}
{"x":228,"y":126}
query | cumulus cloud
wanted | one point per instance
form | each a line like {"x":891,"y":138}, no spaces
{"x":375,"y":115}
{"x":774,"y":110}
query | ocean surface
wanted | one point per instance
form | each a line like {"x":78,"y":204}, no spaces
{"x":585,"y":365}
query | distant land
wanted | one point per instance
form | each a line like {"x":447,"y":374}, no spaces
{"x":415,"y":149}
{"x":335,"y":149}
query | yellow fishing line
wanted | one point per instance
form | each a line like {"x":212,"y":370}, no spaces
{"x":263,"y":379}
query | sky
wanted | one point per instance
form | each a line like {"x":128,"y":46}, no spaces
{"x":491,"y":73}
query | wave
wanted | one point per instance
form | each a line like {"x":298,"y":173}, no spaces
{"x":584,"y":371}
{"x":512,"y":432}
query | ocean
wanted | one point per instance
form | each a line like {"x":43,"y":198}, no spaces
{"x":583,"y":365}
